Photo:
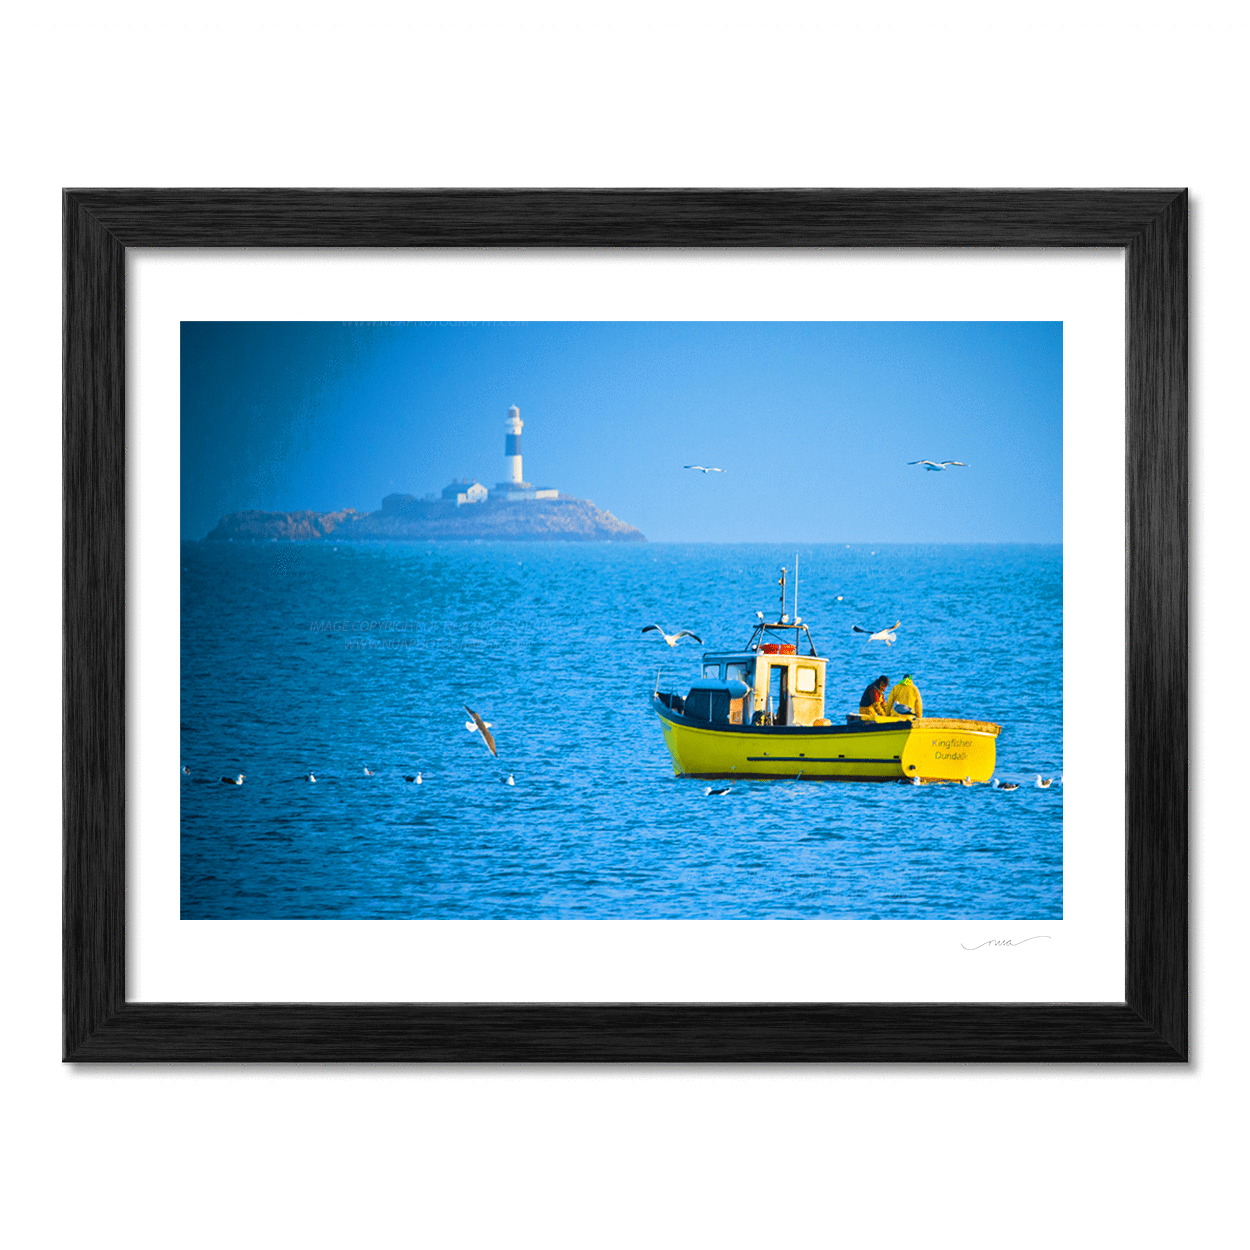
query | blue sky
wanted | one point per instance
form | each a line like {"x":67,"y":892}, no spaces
{"x":813,"y":421}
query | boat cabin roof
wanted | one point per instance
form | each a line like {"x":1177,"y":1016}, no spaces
{"x":782,"y":632}
{"x":776,"y":633}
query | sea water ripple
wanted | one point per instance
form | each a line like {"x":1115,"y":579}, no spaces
{"x":325,"y":658}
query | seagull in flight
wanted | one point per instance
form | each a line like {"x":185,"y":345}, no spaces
{"x":934,"y":466}
{"x":886,"y":635}
{"x":701,"y":469}
{"x":673,"y":639}
{"x":484,"y":729}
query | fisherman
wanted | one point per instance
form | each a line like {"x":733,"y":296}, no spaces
{"x":872,"y":701}
{"x":905,"y":699}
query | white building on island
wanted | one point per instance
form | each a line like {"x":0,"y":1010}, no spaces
{"x":465,"y":491}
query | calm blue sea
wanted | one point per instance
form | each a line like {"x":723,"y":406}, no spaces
{"x":544,"y":640}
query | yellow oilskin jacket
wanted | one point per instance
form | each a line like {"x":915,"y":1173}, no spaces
{"x":904,"y":695}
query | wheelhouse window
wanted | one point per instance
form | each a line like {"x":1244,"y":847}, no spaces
{"x":736,"y":670}
{"x":805,"y":680}
{"x":711,"y":670}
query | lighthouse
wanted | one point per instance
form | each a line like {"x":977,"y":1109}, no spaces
{"x":512,"y":451}
{"x":514,"y":487}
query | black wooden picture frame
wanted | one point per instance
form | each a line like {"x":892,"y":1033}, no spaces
{"x":1151,"y":1023}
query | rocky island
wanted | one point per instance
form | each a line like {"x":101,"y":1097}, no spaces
{"x":404,"y":518}
{"x":515,"y":509}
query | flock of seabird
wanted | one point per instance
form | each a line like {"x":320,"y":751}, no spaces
{"x":476,"y":725}
{"x":886,"y":635}
{"x":1042,"y":783}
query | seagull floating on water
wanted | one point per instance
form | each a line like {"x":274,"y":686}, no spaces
{"x":936,"y":466}
{"x":702,"y":469}
{"x":1043,"y":783}
{"x":368,"y":771}
{"x":510,"y":781}
{"x":673,"y":639}
{"x":1006,"y":785}
{"x":409,"y":777}
{"x":186,"y":770}
{"x":886,"y":635}
{"x":310,"y":777}
{"x":717,"y":789}
{"x":483,"y":728}
{"x":233,"y":781}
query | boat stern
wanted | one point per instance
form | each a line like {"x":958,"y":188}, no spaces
{"x":942,"y":749}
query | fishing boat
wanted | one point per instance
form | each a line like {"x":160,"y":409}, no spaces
{"x":760,"y":712}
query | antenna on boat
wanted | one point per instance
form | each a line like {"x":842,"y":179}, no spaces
{"x":782,"y":584}
{"x":796,"y":602}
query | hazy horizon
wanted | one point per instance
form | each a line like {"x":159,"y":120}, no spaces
{"x":812,"y":421}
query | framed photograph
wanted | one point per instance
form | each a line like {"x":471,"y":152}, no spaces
{"x":445,"y":790}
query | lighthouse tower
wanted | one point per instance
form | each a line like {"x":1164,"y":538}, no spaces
{"x":514,"y":486}
{"x":512,"y":451}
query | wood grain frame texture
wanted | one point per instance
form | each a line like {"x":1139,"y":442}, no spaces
{"x":99,"y":1025}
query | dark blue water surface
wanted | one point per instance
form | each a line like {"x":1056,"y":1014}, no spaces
{"x":544,"y":640}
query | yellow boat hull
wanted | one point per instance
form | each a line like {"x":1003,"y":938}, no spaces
{"x":931,"y":749}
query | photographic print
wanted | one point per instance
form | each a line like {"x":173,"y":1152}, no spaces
{"x":631,"y":620}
